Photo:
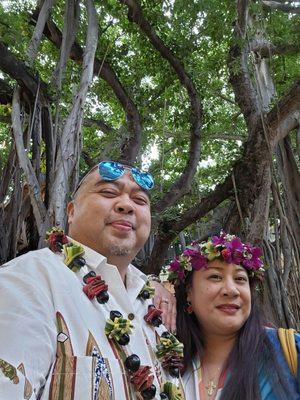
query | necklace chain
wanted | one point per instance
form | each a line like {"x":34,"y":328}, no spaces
{"x":211,"y":387}
{"x":212,"y":384}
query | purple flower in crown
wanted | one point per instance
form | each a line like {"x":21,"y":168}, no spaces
{"x":177,"y":269}
{"x":189,"y":252}
{"x":235,"y":245}
{"x":251,"y":259}
{"x":219,"y":240}
{"x":197,"y":260}
{"x":233,"y":252}
{"x":236,"y":248}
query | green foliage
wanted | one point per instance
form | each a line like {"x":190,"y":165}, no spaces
{"x":199,"y":33}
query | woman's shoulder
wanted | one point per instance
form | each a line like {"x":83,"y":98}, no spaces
{"x":275,"y":332}
{"x":283,"y":336}
{"x":286,"y":343}
{"x":286,"y":346}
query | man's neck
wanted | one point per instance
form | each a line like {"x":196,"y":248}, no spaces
{"x":121,"y":264}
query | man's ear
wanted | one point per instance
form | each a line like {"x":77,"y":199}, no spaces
{"x":70,"y":211}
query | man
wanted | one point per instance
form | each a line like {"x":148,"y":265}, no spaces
{"x":72,"y":322}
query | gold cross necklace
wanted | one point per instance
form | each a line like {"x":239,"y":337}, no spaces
{"x":211,"y":387}
{"x":212,"y":384}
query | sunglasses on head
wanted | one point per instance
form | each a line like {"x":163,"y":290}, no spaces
{"x":112,"y":170}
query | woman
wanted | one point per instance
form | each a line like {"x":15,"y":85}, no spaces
{"x":229,"y":354}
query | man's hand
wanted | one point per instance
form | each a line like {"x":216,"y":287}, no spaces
{"x":165,"y":301}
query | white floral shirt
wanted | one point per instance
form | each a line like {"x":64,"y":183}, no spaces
{"x":52,"y":339}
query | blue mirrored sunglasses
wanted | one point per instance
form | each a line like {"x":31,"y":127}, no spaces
{"x":112,"y":170}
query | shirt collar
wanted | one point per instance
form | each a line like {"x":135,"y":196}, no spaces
{"x":135,"y":279}
{"x":93,"y":259}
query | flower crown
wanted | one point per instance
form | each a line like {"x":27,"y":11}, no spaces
{"x":225,"y":247}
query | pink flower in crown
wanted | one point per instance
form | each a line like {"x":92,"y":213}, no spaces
{"x":234,"y":253}
{"x":189,"y":252}
{"x":251,"y":259}
{"x":177,"y":269}
{"x":235,"y":245}
{"x":197,"y":260}
{"x":218,"y":240}
{"x":229,"y":247}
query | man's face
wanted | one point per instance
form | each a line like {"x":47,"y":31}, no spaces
{"x":112,"y":218}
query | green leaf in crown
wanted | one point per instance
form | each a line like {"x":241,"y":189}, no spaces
{"x":116,"y":328}
{"x":172,"y":391}
{"x":169,"y":343}
{"x":210,"y":251}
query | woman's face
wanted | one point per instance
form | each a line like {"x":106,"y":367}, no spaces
{"x":220,"y":297}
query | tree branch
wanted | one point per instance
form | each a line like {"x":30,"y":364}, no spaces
{"x":243,"y":15}
{"x":266,"y":49}
{"x":275,"y":5}
{"x":225,"y":136}
{"x":7,"y":173}
{"x":260,"y":211}
{"x":168,"y":230}
{"x":68,"y":38}
{"x":183,"y":184}
{"x":100,"y":124}
{"x":285,"y":115}
{"x":88,"y":160}
{"x":35,"y":193}
{"x":251,"y":172}
{"x":17,"y":70}
{"x":104,"y":70}
{"x":221,"y":193}
{"x":239,"y":77}
{"x":6,"y":92}
{"x":38,"y":31}
{"x":228,"y":99}
{"x":68,"y":154}
{"x":290,"y":178}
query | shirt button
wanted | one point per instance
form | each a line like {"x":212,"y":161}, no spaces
{"x":130,"y":316}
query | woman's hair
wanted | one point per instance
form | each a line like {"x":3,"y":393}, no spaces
{"x":252,"y":351}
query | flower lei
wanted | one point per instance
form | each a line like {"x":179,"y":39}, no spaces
{"x":170,"y":352}
{"x":225,"y":247}
{"x":117,"y":328}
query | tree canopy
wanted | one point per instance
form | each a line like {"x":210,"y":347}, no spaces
{"x":206,"y":94}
